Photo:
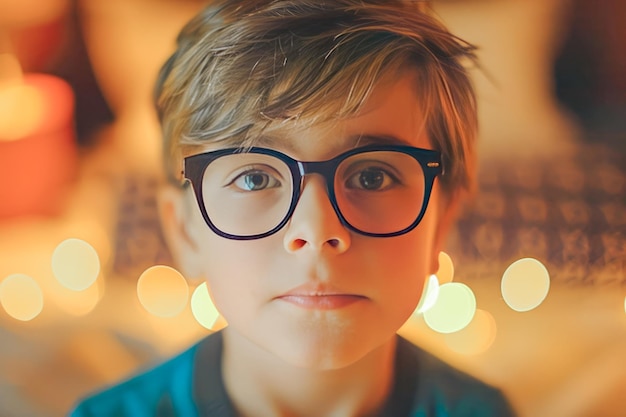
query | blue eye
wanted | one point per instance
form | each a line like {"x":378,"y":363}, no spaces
{"x":255,"y":180}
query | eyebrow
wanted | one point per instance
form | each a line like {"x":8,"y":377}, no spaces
{"x":361,"y":140}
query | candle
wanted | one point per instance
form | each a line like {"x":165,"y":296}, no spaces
{"x":37,"y":143}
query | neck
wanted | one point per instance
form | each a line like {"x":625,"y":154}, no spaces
{"x":261,"y":384}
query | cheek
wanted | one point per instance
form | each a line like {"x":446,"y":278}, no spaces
{"x":407,"y":268}
{"x":408,"y":263}
{"x":236,"y":271}
{"x":414,"y":249}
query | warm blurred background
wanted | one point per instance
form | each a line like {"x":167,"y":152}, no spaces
{"x":82,"y":305}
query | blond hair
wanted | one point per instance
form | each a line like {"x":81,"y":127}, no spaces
{"x":242,"y":66}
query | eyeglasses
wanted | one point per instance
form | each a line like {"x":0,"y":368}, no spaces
{"x":378,"y":191}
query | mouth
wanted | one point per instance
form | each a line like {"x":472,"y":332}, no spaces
{"x":320,"y":297}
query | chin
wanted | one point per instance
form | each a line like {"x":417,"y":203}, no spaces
{"x":323,"y":358}
{"x":330,"y":349}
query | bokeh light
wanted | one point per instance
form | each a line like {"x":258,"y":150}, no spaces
{"x":21,"y":297}
{"x":445,"y":273}
{"x":477,"y":337}
{"x":203,"y":308}
{"x":525,"y":284}
{"x":78,"y":303}
{"x":454,"y":309}
{"x":75,"y":264}
{"x":92,"y":231}
{"x":162,"y":291}
{"x":429,"y":295}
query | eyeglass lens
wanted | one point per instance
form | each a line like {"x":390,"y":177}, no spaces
{"x":376,"y":192}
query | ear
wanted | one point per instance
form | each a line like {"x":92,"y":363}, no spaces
{"x":175,"y":210}
{"x":448,"y":211}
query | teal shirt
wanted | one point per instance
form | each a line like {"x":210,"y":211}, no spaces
{"x":190,"y":385}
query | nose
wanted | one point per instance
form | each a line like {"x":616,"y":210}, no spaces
{"x":314,"y":224}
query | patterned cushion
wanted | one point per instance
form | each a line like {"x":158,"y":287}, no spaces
{"x":568,"y":212}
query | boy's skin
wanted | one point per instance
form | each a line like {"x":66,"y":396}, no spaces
{"x":288,"y":352}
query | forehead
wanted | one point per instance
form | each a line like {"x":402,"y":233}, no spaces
{"x":392,"y":115}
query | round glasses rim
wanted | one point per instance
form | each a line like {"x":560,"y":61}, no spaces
{"x":195,"y":165}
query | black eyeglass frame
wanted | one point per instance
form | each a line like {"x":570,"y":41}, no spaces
{"x":195,"y":166}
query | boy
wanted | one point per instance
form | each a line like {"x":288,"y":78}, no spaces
{"x":324,"y":146}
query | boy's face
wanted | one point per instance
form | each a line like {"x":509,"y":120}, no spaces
{"x":316,"y":294}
